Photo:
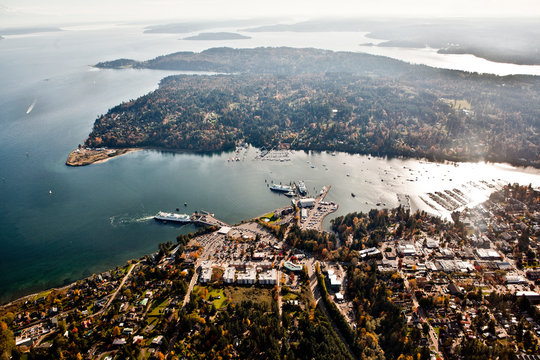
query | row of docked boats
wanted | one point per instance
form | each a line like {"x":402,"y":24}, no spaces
{"x":289,"y":190}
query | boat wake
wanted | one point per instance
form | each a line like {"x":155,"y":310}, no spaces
{"x":31,"y":107}
{"x":125,"y":220}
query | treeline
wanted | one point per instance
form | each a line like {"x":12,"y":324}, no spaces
{"x":316,"y":242}
{"x":250,"y":330}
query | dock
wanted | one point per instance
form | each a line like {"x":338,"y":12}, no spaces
{"x":204,"y":218}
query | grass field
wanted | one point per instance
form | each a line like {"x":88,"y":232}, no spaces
{"x":254,"y":294}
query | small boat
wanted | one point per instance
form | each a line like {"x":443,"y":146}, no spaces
{"x":50,"y":192}
{"x":185,"y":204}
{"x":290,"y":194}
{"x":352,"y":194}
{"x":348,"y":174}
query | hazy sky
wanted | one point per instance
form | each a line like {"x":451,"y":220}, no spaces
{"x":39,"y":12}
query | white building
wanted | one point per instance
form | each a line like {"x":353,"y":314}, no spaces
{"x":305,"y":203}
{"x":369,"y":252}
{"x":268,"y":278}
{"x":406,"y":250}
{"x":228,"y":276}
{"x":335,"y":282}
{"x":247,"y":277}
{"x":224,"y":230}
{"x":206,"y":272}
{"x":487,"y":254}
{"x":259,"y":255}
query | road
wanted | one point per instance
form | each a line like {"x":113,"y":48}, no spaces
{"x":433,"y":339}
{"x":117,"y":290}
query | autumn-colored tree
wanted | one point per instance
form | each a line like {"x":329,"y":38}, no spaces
{"x":115,"y":332}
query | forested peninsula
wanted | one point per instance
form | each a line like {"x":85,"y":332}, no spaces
{"x":323,"y":100}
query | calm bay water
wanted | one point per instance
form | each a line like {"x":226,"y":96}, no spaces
{"x":59,"y":224}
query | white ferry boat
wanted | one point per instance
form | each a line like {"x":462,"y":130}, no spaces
{"x":302,"y":188}
{"x":281,"y":188}
{"x":180,"y":218}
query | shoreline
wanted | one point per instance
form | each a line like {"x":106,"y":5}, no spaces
{"x":88,"y":159}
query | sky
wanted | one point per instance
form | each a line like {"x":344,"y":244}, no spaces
{"x":57,"y":12}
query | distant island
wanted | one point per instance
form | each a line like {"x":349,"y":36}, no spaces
{"x":310,"y":99}
{"x":499,"y":40}
{"x":217,"y":36}
{"x":192,"y":26}
{"x":28,"y":30}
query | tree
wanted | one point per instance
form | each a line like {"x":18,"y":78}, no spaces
{"x":7,"y":341}
{"x":116,"y":331}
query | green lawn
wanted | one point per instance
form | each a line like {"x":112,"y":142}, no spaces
{"x":159,"y":309}
{"x":215,"y":294}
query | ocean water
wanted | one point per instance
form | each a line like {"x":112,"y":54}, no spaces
{"x":60,"y":224}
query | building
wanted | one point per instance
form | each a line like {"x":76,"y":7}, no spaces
{"x":335,"y":281}
{"x":224,"y":230}
{"x":229,"y":274}
{"x":247,"y":277}
{"x":259,"y":255}
{"x":369,"y":252}
{"x":515,"y":279}
{"x":268,"y":278}
{"x":532,"y":296}
{"x":206,"y":272}
{"x":406,"y":250}
{"x":292,"y":266}
{"x":486,"y":254}
{"x":306,"y":202}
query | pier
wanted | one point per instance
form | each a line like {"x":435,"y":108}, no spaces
{"x":206,"y":219}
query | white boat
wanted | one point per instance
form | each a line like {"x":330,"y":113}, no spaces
{"x":164,"y":216}
{"x":281,"y":188}
{"x":302,"y":188}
